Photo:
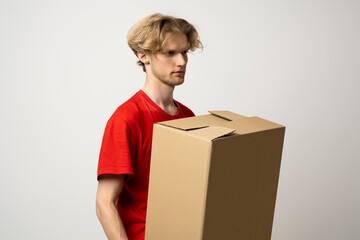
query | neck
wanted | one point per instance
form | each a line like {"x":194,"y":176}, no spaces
{"x":160,"y":93}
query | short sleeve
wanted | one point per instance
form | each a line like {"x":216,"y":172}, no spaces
{"x":117,"y":153}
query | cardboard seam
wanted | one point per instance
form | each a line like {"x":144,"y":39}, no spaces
{"x":207,"y":187}
{"x":183,"y":129}
{"x":234,"y":134}
{"x":219,"y":116}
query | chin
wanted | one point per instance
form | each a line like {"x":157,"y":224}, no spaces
{"x":178,"y":82}
{"x":174,"y":82}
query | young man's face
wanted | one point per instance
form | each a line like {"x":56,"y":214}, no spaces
{"x":169,"y":65}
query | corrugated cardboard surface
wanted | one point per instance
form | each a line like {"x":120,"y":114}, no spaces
{"x":178,"y":185}
{"x":242,"y":186}
{"x":213,"y":177}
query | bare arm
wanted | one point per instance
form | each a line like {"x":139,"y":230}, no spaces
{"x":107,"y":196}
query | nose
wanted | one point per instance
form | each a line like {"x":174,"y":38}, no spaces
{"x":181,"y":59}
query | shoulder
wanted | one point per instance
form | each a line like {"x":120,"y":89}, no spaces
{"x":130,"y":109}
{"x":128,"y":112}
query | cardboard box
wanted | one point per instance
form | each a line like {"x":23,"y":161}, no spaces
{"x":215,"y":177}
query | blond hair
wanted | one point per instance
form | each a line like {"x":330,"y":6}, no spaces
{"x":148,"y":35}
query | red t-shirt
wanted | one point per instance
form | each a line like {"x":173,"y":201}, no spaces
{"x":126,"y":149}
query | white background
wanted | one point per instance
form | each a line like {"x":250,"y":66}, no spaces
{"x":65,"y":66}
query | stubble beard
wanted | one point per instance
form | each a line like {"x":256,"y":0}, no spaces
{"x":170,"y":80}
{"x":176,"y":81}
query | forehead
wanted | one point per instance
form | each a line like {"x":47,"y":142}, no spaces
{"x":176,"y":41}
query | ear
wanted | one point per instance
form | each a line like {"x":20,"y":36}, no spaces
{"x":143,"y":57}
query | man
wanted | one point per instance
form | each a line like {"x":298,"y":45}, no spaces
{"x":161,"y":44}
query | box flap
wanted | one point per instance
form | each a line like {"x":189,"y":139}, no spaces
{"x":251,"y":124}
{"x":190,"y":123}
{"x":196,"y":127}
{"x":216,"y":118}
{"x":226,"y":115}
{"x":212,"y":132}
{"x":184,"y":124}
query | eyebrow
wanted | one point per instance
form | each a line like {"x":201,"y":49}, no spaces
{"x":174,"y":50}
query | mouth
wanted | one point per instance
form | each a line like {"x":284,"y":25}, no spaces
{"x":179,"y":72}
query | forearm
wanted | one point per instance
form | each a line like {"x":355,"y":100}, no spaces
{"x":111,"y":222}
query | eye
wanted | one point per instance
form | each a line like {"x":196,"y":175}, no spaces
{"x":185,"y":52}
{"x":170,"y":53}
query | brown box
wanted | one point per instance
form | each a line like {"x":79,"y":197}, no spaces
{"x":213,"y":176}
